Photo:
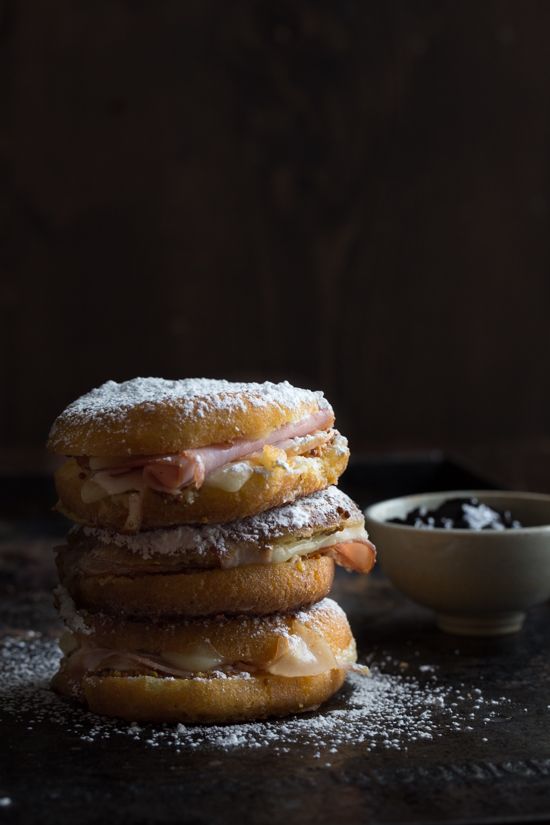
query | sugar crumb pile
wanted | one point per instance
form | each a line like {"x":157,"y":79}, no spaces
{"x":388,"y":710}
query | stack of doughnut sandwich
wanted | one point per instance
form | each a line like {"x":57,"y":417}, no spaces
{"x":194,"y":582}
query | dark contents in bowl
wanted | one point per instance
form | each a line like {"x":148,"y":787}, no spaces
{"x":460,"y":514}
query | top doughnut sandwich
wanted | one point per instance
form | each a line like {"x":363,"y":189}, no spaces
{"x":152,"y":453}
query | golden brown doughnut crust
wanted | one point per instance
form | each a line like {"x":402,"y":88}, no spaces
{"x":152,"y":699}
{"x":208,"y":504}
{"x":150,"y":416}
{"x":257,"y":588}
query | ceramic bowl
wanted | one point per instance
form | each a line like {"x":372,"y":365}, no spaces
{"x":479,"y":582}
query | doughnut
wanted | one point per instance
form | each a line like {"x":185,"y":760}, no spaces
{"x":254,"y":588}
{"x":275,"y":561}
{"x":213,"y":699}
{"x":206,"y":670}
{"x":150,"y":453}
{"x":150,"y":416}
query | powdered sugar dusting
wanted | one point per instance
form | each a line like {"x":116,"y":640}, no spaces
{"x":196,"y":397}
{"x":324,"y":509}
{"x":325,"y":606}
{"x":386,"y":710}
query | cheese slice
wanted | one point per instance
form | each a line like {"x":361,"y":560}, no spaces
{"x":283,"y":551}
{"x":304,"y":652}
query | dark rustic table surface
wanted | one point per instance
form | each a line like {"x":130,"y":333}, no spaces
{"x":497,"y":772}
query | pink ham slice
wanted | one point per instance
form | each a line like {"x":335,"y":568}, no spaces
{"x":359,"y":556}
{"x":170,"y":473}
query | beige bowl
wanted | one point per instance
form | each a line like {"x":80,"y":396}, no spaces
{"x":479,"y":582}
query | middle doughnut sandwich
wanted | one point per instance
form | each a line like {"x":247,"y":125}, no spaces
{"x":276,"y":561}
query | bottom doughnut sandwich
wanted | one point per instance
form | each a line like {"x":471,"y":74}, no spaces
{"x":217,"y":669}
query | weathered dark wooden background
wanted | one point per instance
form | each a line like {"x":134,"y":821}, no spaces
{"x":353,"y":195}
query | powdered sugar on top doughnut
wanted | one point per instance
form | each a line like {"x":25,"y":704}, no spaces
{"x":323,"y":509}
{"x":193,"y":396}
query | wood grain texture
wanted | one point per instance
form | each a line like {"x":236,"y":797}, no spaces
{"x":351,"y":195}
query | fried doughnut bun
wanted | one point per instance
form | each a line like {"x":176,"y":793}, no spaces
{"x":196,"y":700}
{"x":151,"y":416}
{"x":249,"y":668}
{"x":274,"y":561}
{"x":254,"y":588}
{"x":271,"y":486}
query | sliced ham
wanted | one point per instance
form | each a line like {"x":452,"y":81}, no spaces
{"x":169,"y":473}
{"x":354,"y":555}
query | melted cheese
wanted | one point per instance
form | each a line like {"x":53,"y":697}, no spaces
{"x":304,"y":652}
{"x":103,"y":484}
{"x":204,"y":657}
{"x":231,"y":477}
{"x":286,"y":550}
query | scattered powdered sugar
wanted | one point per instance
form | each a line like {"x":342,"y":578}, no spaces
{"x":326,"y":508}
{"x":385,"y":710}
{"x":196,"y":397}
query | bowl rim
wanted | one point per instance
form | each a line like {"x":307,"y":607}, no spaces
{"x":465,"y":531}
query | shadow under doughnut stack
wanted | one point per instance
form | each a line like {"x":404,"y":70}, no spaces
{"x":193,"y":585}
